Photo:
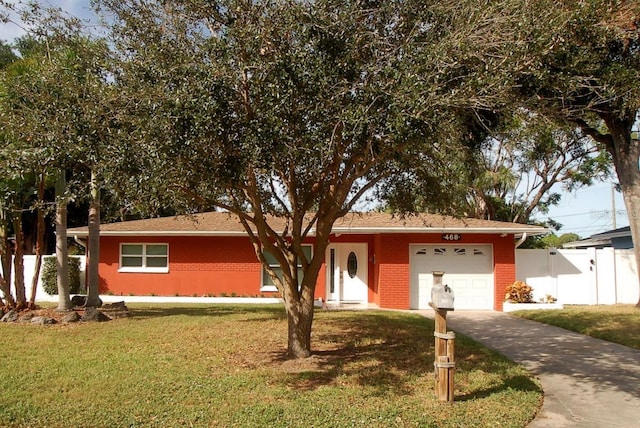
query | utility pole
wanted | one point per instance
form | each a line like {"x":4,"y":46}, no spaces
{"x":613,"y":206}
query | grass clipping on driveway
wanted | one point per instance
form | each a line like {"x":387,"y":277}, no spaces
{"x":224,"y":366}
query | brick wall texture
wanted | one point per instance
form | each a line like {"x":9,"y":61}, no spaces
{"x":214,"y":266}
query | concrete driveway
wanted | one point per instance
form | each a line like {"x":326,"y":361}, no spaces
{"x":587,"y":382}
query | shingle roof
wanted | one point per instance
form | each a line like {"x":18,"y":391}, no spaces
{"x":226,"y":224}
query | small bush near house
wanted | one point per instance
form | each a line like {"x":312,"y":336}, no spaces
{"x":519,"y":292}
{"x":49,"y":274}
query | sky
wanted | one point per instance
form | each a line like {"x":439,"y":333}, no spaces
{"x":589,"y":210}
{"x":585,"y":212}
{"x":78,"y":8}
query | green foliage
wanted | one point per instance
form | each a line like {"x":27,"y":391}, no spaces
{"x":6,"y":55}
{"x":325,"y":113}
{"x":551,"y":240}
{"x":49,"y":283}
{"x":519,"y":292}
{"x":296,"y":110}
{"x":524,"y":162}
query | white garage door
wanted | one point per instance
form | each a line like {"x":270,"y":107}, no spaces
{"x":468,"y":270}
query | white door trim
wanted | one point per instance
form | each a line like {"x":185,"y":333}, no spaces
{"x":347,"y":288}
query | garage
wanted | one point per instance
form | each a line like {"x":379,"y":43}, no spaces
{"x":468,"y":271}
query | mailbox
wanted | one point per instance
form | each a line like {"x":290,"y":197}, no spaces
{"x":442,"y":296}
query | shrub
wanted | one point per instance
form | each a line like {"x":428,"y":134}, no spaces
{"x":49,"y":282}
{"x":519,"y":292}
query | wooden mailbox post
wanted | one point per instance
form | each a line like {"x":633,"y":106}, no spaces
{"x":444,"y":364}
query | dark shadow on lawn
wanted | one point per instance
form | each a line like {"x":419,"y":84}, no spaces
{"x":387,"y":353}
{"x":518,"y":382}
{"x":381,"y":350}
{"x":202,"y":310}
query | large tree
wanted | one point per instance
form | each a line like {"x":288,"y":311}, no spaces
{"x":54,"y":117}
{"x":525,"y":162}
{"x":287,"y":114}
{"x":21,"y":189}
{"x":588,"y":76}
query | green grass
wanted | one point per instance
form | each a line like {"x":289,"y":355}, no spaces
{"x":614,"y":323}
{"x":200,"y":365}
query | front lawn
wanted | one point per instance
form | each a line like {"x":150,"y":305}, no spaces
{"x":206,"y":365}
{"x":615,"y":323}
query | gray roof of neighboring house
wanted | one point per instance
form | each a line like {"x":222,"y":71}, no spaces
{"x":602,"y":239}
{"x":227,"y":224}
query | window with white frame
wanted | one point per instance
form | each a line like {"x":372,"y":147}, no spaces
{"x":144,"y":257}
{"x":267,"y":282}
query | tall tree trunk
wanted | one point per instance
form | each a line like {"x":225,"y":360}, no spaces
{"x":6,"y":260}
{"x":39,"y":242}
{"x":18,"y":264}
{"x":299,"y":320}
{"x":299,"y":300}
{"x":629,"y":179}
{"x":93,"y":246}
{"x":626,"y":158}
{"x":62,"y":253}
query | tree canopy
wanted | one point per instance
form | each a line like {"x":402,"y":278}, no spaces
{"x":301,"y":110}
{"x":589,"y":78}
{"x":298,"y":110}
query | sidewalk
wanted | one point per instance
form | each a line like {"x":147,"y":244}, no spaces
{"x":587,"y":382}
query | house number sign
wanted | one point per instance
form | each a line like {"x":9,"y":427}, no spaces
{"x":451,"y":236}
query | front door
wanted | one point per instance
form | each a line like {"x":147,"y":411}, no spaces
{"x":347,"y":273}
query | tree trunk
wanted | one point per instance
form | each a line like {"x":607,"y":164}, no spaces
{"x":630,"y":184}
{"x":62,"y":254}
{"x":18,"y":264}
{"x":299,"y":320}
{"x":626,"y":158}
{"x":93,"y":246}
{"x":299,"y":302}
{"x":7,"y":263}
{"x":39,"y":242}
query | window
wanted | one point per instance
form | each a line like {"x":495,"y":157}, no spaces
{"x":267,"y":283}
{"x":144,"y":258}
{"x":352,"y":265}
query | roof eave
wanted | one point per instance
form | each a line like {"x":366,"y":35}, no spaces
{"x":477,"y":230}
{"x":335,"y":230}
{"x":81,"y":234}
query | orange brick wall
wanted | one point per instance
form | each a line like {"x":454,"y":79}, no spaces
{"x":504,"y":260}
{"x":215,"y":265}
{"x":198,"y":266}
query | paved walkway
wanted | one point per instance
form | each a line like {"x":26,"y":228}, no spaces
{"x":587,"y":382}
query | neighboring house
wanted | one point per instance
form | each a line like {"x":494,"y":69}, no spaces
{"x":373,"y":258}
{"x":620,"y":239}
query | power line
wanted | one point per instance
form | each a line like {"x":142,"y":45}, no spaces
{"x":599,"y":213}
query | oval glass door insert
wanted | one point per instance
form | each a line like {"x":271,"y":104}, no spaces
{"x":352,"y":265}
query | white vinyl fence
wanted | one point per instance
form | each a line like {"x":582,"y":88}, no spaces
{"x":29,"y":268}
{"x":580,"y":277}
